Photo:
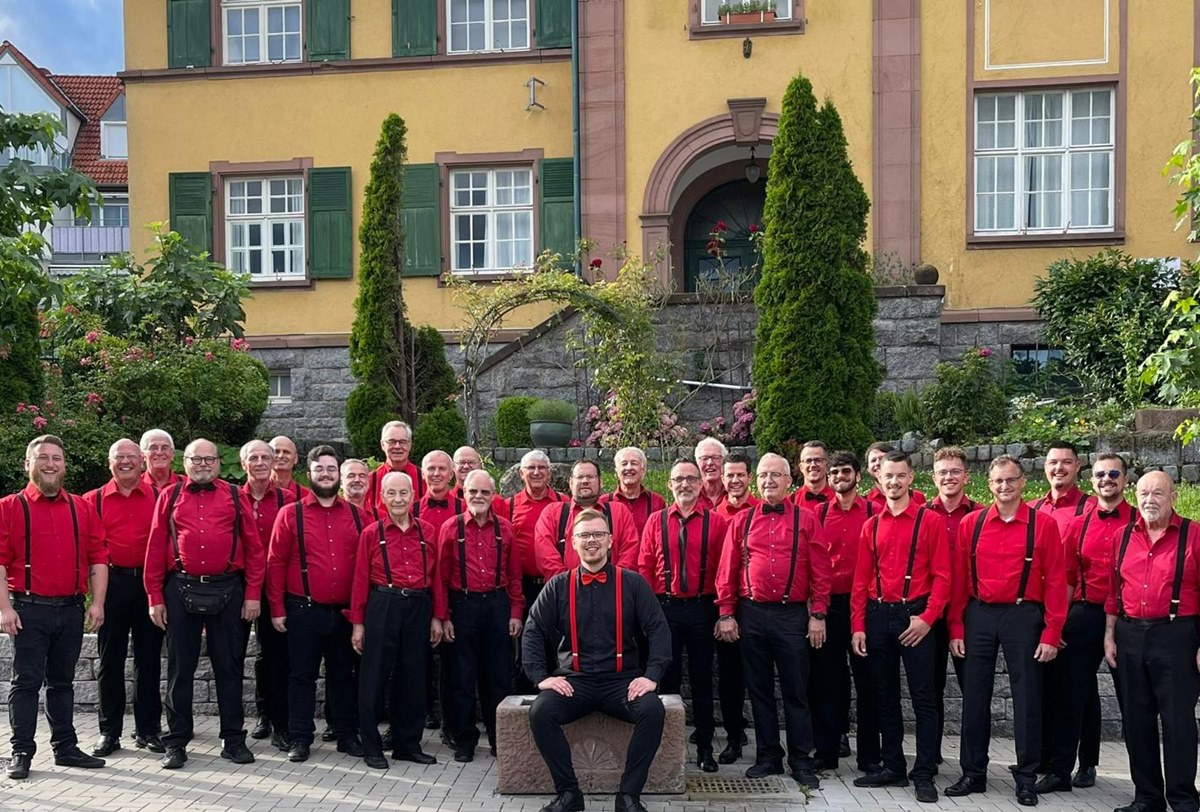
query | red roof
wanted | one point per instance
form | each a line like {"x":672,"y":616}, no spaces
{"x":93,"y":95}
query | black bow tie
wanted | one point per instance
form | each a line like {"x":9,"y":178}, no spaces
{"x":1108,"y":514}
{"x":809,"y":496}
{"x":437,"y":503}
{"x":768,"y":509}
{"x":197,"y":487}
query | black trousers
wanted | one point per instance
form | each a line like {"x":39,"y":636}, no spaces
{"x":315,"y":632}
{"x":226,"y":644}
{"x":1016,"y":630}
{"x":774,"y":639}
{"x":885,"y":623}
{"x":270,"y":670}
{"x":126,"y":614}
{"x":941,"y":661}
{"x":692,"y":622}
{"x":532,"y":587}
{"x":394,"y":643}
{"x":45,"y":651}
{"x":1075,"y":692}
{"x":607,"y":693}
{"x":1160,"y":685}
{"x":731,"y":689}
{"x":831,"y":668}
{"x":482,"y":659}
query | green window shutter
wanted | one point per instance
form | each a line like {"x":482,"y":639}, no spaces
{"x":328,"y":30}
{"x":191,"y":207}
{"x":329,"y":227}
{"x":414,"y":27}
{"x":554,"y":23}
{"x":422,"y":202}
{"x":558,"y":207}
{"x":189,"y":37}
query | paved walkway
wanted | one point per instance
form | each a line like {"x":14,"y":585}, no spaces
{"x":331,"y":782}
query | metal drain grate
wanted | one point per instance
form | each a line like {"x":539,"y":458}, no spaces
{"x":715,"y":788}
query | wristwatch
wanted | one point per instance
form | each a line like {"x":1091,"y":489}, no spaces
{"x":725,"y":617}
{"x":818,"y":615}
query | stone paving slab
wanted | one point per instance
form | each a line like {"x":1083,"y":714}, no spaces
{"x":332,"y":782}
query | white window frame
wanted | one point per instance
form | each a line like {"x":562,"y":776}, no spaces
{"x":709,"y":16}
{"x":263,"y":7}
{"x":265,"y":220}
{"x":275,"y":379}
{"x":106,"y":128}
{"x":489,"y":24}
{"x":491,"y":210}
{"x":1020,"y":152}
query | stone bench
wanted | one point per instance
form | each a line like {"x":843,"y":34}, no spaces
{"x":598,"y":746}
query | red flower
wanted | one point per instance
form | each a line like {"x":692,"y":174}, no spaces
{"x":596,"y":263}
{"x":753,"y":228}
{"x":720,"y":226}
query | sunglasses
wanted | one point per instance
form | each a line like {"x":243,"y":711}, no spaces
{"x":1110,"y":474}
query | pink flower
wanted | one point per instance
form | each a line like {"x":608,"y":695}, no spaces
{"x":986,"y":352}
{"x":39,"y":422}
{"x":575,"y":443}
{"x":188,"y":341}
{"x":92,"y":337}
{"x":241,"y":345}
{"x":94,"y":399}
{"x":85,"y":361}
{"x":720,"y":226}
{"x":753,"y":228}
{"x":705,"y":427}
{"x":31,"y":409}
{"x":208,"y":356}
{"x":20,"y":408}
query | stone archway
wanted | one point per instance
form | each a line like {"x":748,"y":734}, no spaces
{"x":746,"y":124}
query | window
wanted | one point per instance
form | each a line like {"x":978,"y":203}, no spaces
{"x":264,"y":227}
{"x":1044,"y":162}
{"x":491,"y":219}
{"x":257,"y":31}
{"x":112,"y":214}
{"x":488,"y":25}
{"x":710,"y":16}
{"x":1030,"y":358}
{"x":114,"y":139}
{"x":279,"y":386}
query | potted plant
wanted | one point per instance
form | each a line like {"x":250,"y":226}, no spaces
{"x":747,"y":11}
{"x":551,"y":422}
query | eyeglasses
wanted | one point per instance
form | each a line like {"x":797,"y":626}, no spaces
{"x":598,"y":535}
{"x":685,"y":480}
{"x":535,"y":468}
{"x":1110,"y":474}
{"x":324,"y":469}
{"x":1012,"y":480}
{"x":947,"y":473}
{"x":583,"y":477}
{"x":478,"y":492}
{"x":844,"y":470}
{"x":812,"y":463}
{"x":710,"y":458}
{"x":203,"y":460}
{"x":401,"y":443}
{"x":156,"y":448}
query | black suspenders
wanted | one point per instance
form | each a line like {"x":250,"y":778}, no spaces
{"x":462,"y":550}
{"x":912,"y":556}
{"x":1180,"y":557}
{"x":666,"y":547}
{"x":565,"y":516}
{"x":300,"y":547}
{"x":29,"y":539}
{"x":787,"y":590}
{"x":237,"y":523}
{"x":1027,"y":567}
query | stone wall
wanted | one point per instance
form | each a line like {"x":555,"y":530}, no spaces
{"x":908,"y":334}
{"x":959,"y":336}
{"x":321,"y":382}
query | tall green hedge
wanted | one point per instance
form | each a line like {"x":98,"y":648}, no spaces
{"x":814,"y":365}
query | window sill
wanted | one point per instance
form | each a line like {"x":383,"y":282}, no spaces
{"x":718,"y":31}
{"x":1045,"y":240}
{"x":484,"y":277}
{"x":282,"y":284}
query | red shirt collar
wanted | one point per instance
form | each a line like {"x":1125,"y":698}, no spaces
{"x":109,"y":488}
{"x":34,"y":495}
{"x":1021,"y":517}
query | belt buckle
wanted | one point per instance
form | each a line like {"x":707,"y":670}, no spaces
{"x":205,"y":579}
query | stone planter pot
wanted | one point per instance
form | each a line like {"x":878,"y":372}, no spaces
{"x":551,"y":435}
{"x":742,"y":17}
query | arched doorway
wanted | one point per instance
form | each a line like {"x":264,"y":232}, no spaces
{"x":738,"y":205}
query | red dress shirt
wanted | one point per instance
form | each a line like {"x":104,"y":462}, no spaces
{"x":884,"y":550}
{"x":842,"y":529}
{"x":651,"y":561}
{"x":125,"y":519}
{"x":412,"y":556}
{"x":265,"y":510}
{"x":481,"y":560}
{"x":375,"y":486}
{"x":1065,"y":508}
{"x":58,"y":565}
{"x":1000,"y":560}
{"x":808,"y":500}
{"x":171,"y":480}
{"x":729,"y":511}
{"x":295,"y":489}
{"x":204,"y":523}
{"x":330,"y":547}
{"x":877,"y":497}
{"x":547,"y":538}
{"x":769,"y":549}
{"x":640,"y":508}
{"x":706,"y":501}
{"x":953,"y":518}
{"x":1090,"y":549}
{"x":523,"y":512}
{"x":437,"y":510}
{"x":1148,"y":573}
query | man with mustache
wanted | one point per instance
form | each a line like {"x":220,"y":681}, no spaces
{"x":158,"y":451}
{"x":710,"y":456}
{"x":51,"y":550}
{"x":355,"y":476}
{"x":815,"y":491}
{"x":630,"y":463}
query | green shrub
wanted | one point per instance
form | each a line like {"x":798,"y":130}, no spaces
{"x":512,"y":422}
{"x":1073,"y":420}
{"x":883,"y":418}
{"x":443,"y":428}
{"x":965,"y":402}
{"x":550,"y":410}
{"x":369,"y":406}
{"x":909,"y":414}
{"x":433,"y":377}
{"x":20,"y":360}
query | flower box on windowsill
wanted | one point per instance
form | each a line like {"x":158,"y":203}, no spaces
{"x":743,"y":17}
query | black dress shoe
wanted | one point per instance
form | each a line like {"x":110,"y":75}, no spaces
{"x":827,"y":763}
{"x":351,"y":746}
{"x":175,"y":758}
{"x":705,"y":761}
{"x":448,"y":739}
{"x":328,"y":734}
{"x":761,"y":769}
{"x":692,"y":738}
{"x":569,"y":801}
{"x":1052,"y":783}
{"x":298,"y":752}
{"x":262,"y":730}
{"x":1084,"y":777}
{"x":18,"y":766}
{"x":883,"y":778}
{"x":106,"y":745}
{"x":731,"y":753}
{"x":416,"y":757}
{"x":625,"y":802}
{"x":150,"y":742}
{"x":464,"y":755}
{"x":388,"y":739}
{"x":74,"y":757}
{"x":926,"y":791}
{"x":376,"y":762}
{"x":1026,"y":796}
{"x":433,"y":721}
{"x":869,"y":769}
{"x":493,"y":750}
{"x":237,"y":753}
{"x":964,"y":786}
{"x":281,"y":742}
{"x":807,"y":778}
{"x":844,"y":747}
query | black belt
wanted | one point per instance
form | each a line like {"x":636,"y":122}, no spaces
{"x":301,"y":599}
{"x":402,"y":592}
{"x":1095,"y":604}
{"x":1009,"y":605}
{"x":490,"y":593}
{"x":803,"y":603}
{"x":132,"y":572}
{"x":906,"y":603}
{"x":677,"y":599}
{"x":1153,"y":621}
{"x":40,"y":600}
{"x":219,"y":578}
{"x":536,"y":580}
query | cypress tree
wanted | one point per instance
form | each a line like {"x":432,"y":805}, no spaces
{"x":814,"y":364}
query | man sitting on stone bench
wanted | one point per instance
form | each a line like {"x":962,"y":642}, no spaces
{"x":595,"y":609}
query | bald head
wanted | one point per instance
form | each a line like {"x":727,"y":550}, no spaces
{"x":396,"y":492}
{"x":1156,"y":498}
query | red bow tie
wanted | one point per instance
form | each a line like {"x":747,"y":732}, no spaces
{"x":599,"y":577}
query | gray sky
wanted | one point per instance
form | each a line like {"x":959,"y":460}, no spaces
{"x":66,"y":36}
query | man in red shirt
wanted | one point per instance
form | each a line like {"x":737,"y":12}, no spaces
{"x":395,"y":590}
{"x":51,"y":549}
{"x":735,"y":477}
{"x":950,"y":475}
{"x":1008,"y":592}
{"x":710,"y":456}
{"x":355,"y":478}
{"x":554,"y":551}
{"x":774,"y":564}
{"x":815,"y":491}
{"x":395,"y":440}
{"x":203,"y":538}
{"x":630,"y":463}
{"x":1090,"y":545}
{"x":901,"y":586}
{"x":875,"y":454}
{"x":479,"y":566}
{"x":310,"y":571}
{"x":125,"y":507}
{"x":283,"y":467}
{"x":831,"y":667}
{"x":680,"y":551}
{"x":466,"y":460}
{"x":158,"y":450}
{"x":1151,"y":638}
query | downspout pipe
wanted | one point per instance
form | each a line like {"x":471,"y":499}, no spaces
{"x":577,"y":197}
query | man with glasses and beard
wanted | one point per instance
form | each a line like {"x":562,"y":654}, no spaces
{"x":816,"y":490}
